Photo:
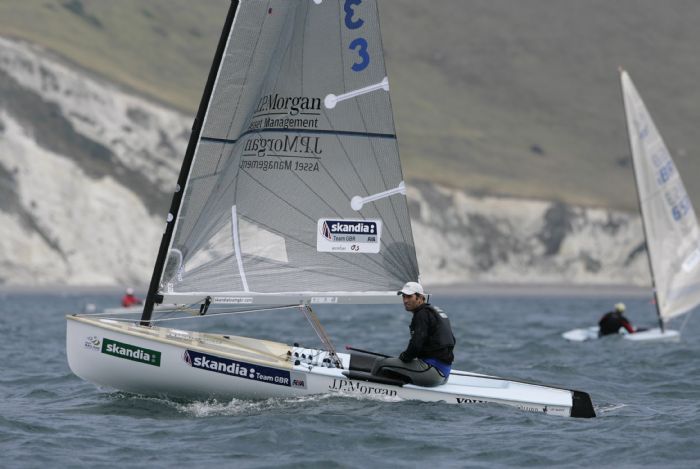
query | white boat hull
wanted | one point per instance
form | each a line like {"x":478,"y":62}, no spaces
{"x":581,"y":335}
{"x":654,"y":335}
{"x":649,"y":335}
{"x":169,"y":362}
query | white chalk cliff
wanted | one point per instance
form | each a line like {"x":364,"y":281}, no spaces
{"x":87,"y":172}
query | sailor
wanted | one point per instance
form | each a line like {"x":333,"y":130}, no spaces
{"x":612,"y":321}
{"x":129,"y":299}
{"x":428,"y":358}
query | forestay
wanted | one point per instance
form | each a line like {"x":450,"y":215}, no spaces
{"x":296,"y":186}
{"x":670,"y":224}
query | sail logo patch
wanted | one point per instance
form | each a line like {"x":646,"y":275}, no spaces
{"x":351,"y":236}
{"x":236,"y":368}
{"x":92,"y":343}
{"x":131,"y":352}
{"x":470,"y":400}
{"x":299,"y":380}
{"x":357,"y":387}
{"x":285,"y":146}
{"x":293,"y":105}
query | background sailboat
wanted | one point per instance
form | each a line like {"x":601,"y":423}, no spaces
{"x":291,"y":194}
{"x":669,"y":222}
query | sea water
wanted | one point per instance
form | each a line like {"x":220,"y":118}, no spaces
{"x":646,"y":395}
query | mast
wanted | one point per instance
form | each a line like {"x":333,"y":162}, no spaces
{"x":152,"y":296}
{"x":641,"y":212}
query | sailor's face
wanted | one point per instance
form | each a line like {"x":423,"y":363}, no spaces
{"x":411,"y":302}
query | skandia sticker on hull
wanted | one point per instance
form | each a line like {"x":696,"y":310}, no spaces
{"x":131,"y":352}
{"x":236,"y":368}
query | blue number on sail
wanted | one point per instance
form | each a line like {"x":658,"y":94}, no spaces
{"x":349,"y":13}
{"x":360,"y":43}
{"x":665,"y":173}
{"x":642,"y":129}
{"x":681,"y":208}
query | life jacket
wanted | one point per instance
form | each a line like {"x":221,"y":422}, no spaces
{"x":611,"y":323}
{"x":440,"y":341}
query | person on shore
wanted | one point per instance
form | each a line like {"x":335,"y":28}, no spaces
{"x":129,"y":299}
{"x":612,"y":321}
{"x":427,"y":360}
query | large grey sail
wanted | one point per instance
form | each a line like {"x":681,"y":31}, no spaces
{"x":296,"y":185}
{"x":671,"y":227}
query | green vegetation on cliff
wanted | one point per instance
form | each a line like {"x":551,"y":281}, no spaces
{"x":491,"y":96}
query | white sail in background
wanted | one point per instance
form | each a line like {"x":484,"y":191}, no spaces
{"x":670,"y":224}
{"x":296,"y":186}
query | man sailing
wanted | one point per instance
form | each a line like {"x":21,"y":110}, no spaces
{"x":427,"y":360}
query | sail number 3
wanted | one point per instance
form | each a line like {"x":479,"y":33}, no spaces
{"x":359,"y":44}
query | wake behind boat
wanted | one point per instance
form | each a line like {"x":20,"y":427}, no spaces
{"x":670,"y":225}
{"x":291,"y":194}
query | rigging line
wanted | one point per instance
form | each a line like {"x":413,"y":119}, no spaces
{"x":228,"y":313}
{"x":321,"y":332}
{"x":184,"y":308}
{"x":286,"y":235}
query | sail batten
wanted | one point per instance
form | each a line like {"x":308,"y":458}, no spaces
{"x":299,"y":123}
{"x":669,"y":220}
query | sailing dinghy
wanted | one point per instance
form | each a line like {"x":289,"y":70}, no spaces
{"x":670,"y":225}
{"x":290,"y":195}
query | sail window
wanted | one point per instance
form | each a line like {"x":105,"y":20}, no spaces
{"x":259,"y":242}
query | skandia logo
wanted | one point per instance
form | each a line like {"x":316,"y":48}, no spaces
{"x":131,"y":352}
{"x":236,"y":368}
{"x":334,"y":227}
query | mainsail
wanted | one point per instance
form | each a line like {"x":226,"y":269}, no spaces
{"x":670,"y":224}
{"x":295,"y":184}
